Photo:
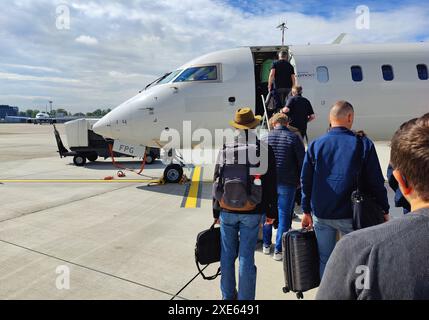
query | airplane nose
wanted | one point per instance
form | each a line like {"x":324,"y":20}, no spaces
{"x":103,"y":127}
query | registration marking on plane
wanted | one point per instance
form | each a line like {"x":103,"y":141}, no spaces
{"x":192,"y":198}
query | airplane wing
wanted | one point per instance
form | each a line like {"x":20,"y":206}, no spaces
{"x":16,"y":119}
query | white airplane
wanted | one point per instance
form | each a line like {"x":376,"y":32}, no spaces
{"x":386,"y":83}
{"x":41,"y":117}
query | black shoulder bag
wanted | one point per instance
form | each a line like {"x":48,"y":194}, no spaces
{"x":207,"y":250}
{"x":366,"y":211}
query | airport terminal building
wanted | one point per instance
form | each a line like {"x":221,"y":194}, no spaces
{"x":8,"y":111}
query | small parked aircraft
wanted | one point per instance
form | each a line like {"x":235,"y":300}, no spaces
{"x":41,"y":118}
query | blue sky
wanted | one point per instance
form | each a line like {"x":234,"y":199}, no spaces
{"x":114,"y":48}
{"x":317,"y":7}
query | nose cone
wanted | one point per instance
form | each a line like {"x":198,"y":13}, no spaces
{"x":103,"y":127}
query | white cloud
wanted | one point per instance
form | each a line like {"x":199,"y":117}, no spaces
{"x":23,"y":77}
{"x":117,"y":74}
{"x":24,"y":97}
{"x":150,"y":38}
{"x":133,"y":41}
{"x":33,"y":68}
{"x":88,"y":40}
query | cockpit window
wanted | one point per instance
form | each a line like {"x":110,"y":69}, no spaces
{"x":169,"y":77}
{"x":166,"y":78}
{"x":207,"y":73}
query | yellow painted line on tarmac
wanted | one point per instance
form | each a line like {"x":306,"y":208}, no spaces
{"x":193,"y":196}
{"x":75,"y":181}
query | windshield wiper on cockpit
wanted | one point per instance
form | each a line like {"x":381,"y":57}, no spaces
{"x":156,"y":81}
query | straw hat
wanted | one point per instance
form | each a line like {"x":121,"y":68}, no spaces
{"x":245,"y":119}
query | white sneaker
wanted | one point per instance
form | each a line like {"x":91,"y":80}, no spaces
{"x":266,"y":250}
{"x":278,"y":256}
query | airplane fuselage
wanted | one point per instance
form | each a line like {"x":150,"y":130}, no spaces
{"x":386,"y":83}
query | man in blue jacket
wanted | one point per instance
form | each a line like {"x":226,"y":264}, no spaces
{"x":390,"y":261}
{"x":289,"y":152}
{"x":329,"y":177}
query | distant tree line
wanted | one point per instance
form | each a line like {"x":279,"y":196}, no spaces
{"x":62,"y":112}
{"x":98,"y":113}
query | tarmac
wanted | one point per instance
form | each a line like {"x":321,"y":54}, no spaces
{"x":117,"y":239}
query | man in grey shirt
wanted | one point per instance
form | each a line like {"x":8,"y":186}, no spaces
{"x":389,"y":261}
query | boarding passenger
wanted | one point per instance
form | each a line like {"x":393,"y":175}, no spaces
{"x":299,"y":110}
{"x":390,"y":261}
{"x":282,"y":79}
{"x":289,"y":153}
{"x":400,"y":200}
{"x":329,"y":177}
{"x":298,"y":191}
{"x":291,"y":128}
{"x":240,"y":199}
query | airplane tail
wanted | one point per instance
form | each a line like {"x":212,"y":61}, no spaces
{"x":340,"y":38}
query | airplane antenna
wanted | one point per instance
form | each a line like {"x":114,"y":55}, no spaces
{"x":283,"y":28}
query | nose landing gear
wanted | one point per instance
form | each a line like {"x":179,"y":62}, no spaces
{"x":174,"y":172}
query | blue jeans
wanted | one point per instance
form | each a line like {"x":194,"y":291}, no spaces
{"x":239,"y":235}
{"x":286,"y":203}
{"x":326,"y":234}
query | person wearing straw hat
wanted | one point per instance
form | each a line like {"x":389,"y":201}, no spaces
{"x":242,"y":192}
{"x":244,"y":119}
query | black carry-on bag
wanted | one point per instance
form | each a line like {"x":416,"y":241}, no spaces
{"x":366,"y":212}
{"x":300,"y":262}
{"x":207,"y":250}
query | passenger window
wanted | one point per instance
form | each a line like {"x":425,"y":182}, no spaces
{"x":322,"y":74}
{"x":422,"y":70}
{"x":387,"y":73}
{"x":357,"y":74}
{"x":208,"y":73}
